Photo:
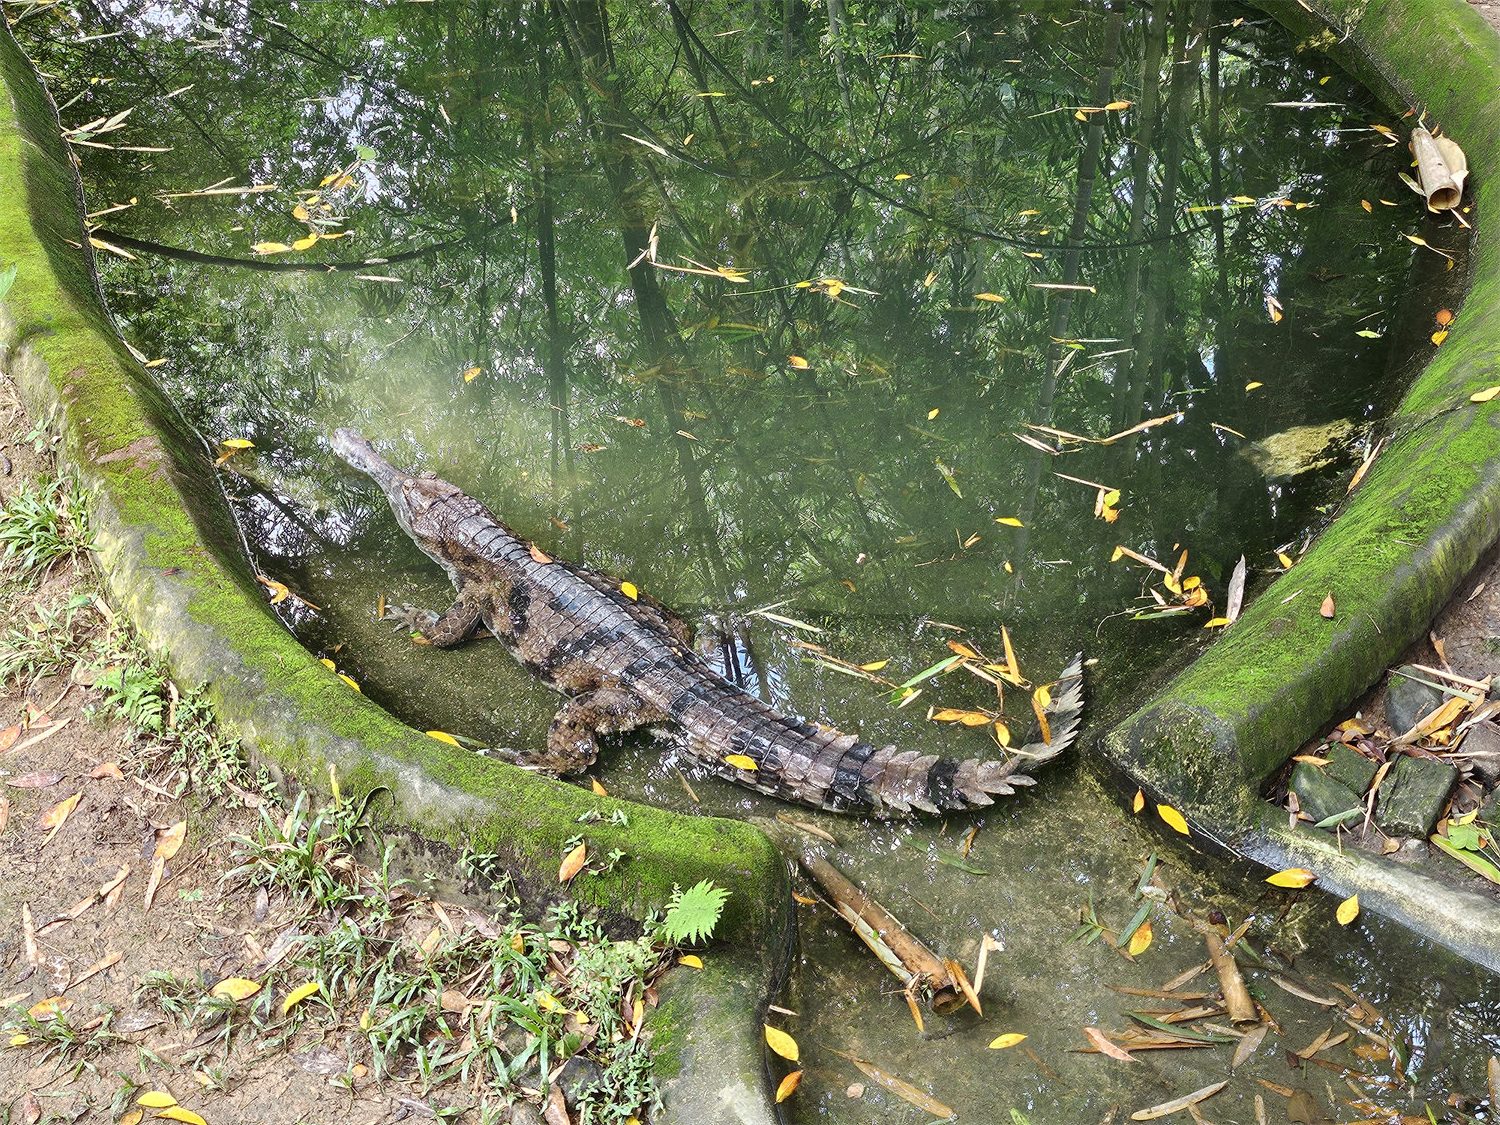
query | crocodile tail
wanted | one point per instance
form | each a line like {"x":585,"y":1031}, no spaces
{"x":900,"y":781}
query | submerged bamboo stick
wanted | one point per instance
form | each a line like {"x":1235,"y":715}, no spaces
{"x":899,"y":950}
{"x":1237,"y":1001}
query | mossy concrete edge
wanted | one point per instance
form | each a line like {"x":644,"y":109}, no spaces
{"x":192,"y":604}
{"x":1427,"y":510}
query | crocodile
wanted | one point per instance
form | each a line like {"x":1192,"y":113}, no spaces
{"x":625,"y":661}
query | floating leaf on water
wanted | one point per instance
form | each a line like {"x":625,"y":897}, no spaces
{"x":1253,"y":385}
{"x":349,"y":680}
{"x":1284,"y":559}
{"x":270,"y":248}
{"x":1348,"y":910}
{"x":993,"y":298}
{"x":947,"y":474}
{"x":1140,"y":941}
{"x":741,"y":762}
{"x":299,"y":994}
{"x":1217,"y":623}
{"x":933,"y":413}
{"x":1370,"y":334}
{"x":538,"y":554}
{"x":473,"y":372}
{"x":1365,"y":203}
{"x":1273,"y":307}
{"x":1009,"y":521}
{"x":1139,"y":802}
{"x":1177,"y":1105}
{"x":1009,"y":1039}
{"x":1174,"y":819}
{"x":797,"y":361}
{"x":443,"y":736}
{"x":598,"y":787}
{"x":305,"y":243}
{"x":279,"y":591}
{"x":573,"y":863}
{"x":788,"y":1086}
{"x":875,"y":665}
{"x":1293,"y":877}
{"x":782,"y":1043}
{"x":1443,"y":317}
{"x":1106,"y":1046}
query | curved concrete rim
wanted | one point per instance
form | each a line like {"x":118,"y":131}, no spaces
{"x":198,"y":606}
{"x":1427,"y":511}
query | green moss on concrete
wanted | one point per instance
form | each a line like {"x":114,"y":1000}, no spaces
{"x":1428,"y":509}
{"x":174,"y":569}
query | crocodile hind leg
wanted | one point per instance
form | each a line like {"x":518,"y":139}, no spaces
{"x":441,"y":630}
{"x":573,"y":738}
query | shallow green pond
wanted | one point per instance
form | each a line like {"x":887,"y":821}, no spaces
{"x":774,"y":307}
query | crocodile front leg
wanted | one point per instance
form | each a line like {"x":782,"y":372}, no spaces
{"x":573,"y":738}
{"x":446,"y":630}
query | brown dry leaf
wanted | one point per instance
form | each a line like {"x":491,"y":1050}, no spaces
{"x":453,"y":1001}
{"x":106,"y":769}
{"x":4,"y":811}
{"x":1273,"y":309}
{"x":54,"y":818}
{"x":169,"y":840}
{"x":573,"y":863}
{"x":109,"y":960}
{"x":8,"y":736}
{"x":538,"y":554}
{"x":50,"y":1008}
{"x":901,"y":1089}
{"x":1327,"y":608}
{"x":39,"y":780}
{"x":1106,"y":1047}
{"x":1177,"y":1105}
{"x":158,"y":866}
{"x":788,"y":1086}
{"x":1248,"y":1046}
{"x":959,"y":977}
{"x":131,"y":1117}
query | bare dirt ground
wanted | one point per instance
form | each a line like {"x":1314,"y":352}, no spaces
{"x":77,"y":925}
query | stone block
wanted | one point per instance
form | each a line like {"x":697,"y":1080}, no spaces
{"x":1413,"y":795}
{"x":1350,"y":767}
{"x":1318,"y":794}
{"x":1407,"y":700}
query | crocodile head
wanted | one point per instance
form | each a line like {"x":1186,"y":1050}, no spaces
{"x":425,"y":506}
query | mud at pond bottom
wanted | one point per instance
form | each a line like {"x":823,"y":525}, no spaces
{"x":1047,"y":859}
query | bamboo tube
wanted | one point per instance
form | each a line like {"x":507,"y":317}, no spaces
{"x":898,"y":949}
{"x":1237,"y":1001}
{"x":1441,"y":169}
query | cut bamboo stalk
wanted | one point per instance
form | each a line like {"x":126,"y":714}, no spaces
{"x":1441,"y":169}
{"x":1237,"y":1001}
{"x":899,"y":950}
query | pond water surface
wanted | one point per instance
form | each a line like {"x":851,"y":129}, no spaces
{"x":806,"y":311}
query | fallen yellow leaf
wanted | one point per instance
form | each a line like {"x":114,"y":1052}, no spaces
{"x":1252,"y":385}
{"x":443,"y":736}
{"x":598,"y":787}
{"x":782,"y":1043}
{"x":1484,"y":395}
{"x":156,"y":1099}
{"x":798,"y":362}
{"x":993,"y":298}
{"x":50,"y":1008}
{"x":1139,"y":803}
{"x":1348,"y":910}
{"x":305,"y":243}
{"x":169,"y":840}
{"x":1009,"y":521}
{"x":629,"y":590}
{"x":299,"y":994}
{"x":1291,"y":877}
{"x":270,"y":248}
{"x":236,"y":988}
{"x":473,"y":372}
{"x":1175,"y":820}
{"x":1140,"y":941}
{"x":691,"y":960}
{"x":573,"y":863}
{"x":177,"y":1113}
{"x":1009,"y":1039}
{"x":741,"y":762}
